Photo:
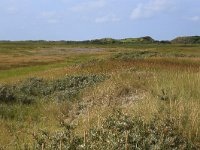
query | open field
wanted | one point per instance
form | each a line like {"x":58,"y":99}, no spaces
{"x":57,"y":95}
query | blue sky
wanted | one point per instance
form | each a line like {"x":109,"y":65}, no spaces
{"x":90,"y":19}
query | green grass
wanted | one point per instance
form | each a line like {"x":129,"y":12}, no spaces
{"x":33,"y":69}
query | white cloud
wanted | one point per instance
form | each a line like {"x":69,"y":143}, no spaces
{"x":89,"y":6}
{"x":195,"y":18}
{"x":107,"y":18}
{"x":151,"y":8}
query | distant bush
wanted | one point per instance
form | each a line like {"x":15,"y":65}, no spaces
{"x":187,"y":40}
{"x":135,"y":55}
{"x":147,"y":54}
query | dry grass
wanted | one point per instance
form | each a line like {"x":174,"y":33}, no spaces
{"x":8,"y":62}
{"x":144,"y":88}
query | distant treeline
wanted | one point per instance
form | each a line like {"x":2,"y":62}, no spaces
{"x":141,"y":40}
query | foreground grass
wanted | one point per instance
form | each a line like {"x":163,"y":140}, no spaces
{"x":148,"y":102}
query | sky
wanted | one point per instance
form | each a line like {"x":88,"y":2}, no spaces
{"x":92,"y":19}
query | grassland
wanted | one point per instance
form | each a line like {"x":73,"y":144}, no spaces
{"x":58,"y":95}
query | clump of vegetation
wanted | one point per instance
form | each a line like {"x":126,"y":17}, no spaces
{"x":7,"y":93}
{"x":136,"y":55}
{"x":118,"y":131}
{"x":35,"y":88}
{"x":187,"y":40}
{"x":142,"y":54}
{"x":143,"y":40}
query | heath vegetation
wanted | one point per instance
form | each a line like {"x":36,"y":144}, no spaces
{"x":100,"y":94}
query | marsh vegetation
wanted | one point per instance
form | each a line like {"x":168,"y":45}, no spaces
{"x":58,"y":95}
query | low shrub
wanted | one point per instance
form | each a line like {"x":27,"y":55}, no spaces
{"x":135,"y":55}
{"x":118,"y":131}
{"x":34,"y":88}
{"x":147,"y":54}
{"x":7,"y":94}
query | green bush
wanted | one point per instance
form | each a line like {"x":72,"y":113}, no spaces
{"x":135,"y":55}
{"x":31,"y":89}
{"x":118,"y":131}
{"x":7,"y":93}
{"x":34,"y":87}
{"x":147,"y":54}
